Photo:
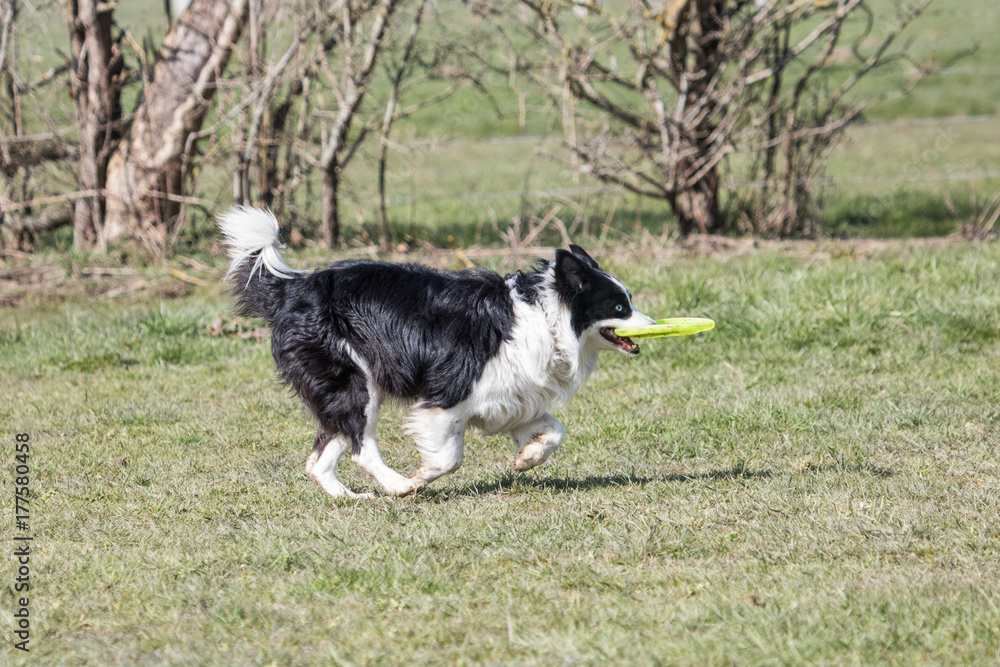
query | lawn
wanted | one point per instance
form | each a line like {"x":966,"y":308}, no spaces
{"x":815,"y":481}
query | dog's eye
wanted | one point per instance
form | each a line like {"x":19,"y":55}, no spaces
{"x":619,"y":308}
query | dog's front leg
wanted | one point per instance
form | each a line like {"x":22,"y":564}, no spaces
{"x":536,"y":441}
{"x":440,"y":437}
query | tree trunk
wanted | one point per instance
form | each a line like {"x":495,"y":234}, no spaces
{"x":272,"y":180}
{"x":330,"y":229}
{"x":697,"y":203}
{"x":358,"y":78}
{"x":96,"y":86}
{"x":144,"y":177}
{"x":697,"y":206}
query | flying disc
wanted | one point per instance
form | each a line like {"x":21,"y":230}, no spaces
{"x":674,"y":326}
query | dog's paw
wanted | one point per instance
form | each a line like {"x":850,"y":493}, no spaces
{"x":532,"y":454}
{"x":413,"y":485}
{"x":341,"y":492}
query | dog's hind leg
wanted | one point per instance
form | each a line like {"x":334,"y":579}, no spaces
{"x":338,"y":390}
{"x":536,"y":441}
{"x":322,"y":464}
{"x":440,"y":437}
{"x":370,"y":460}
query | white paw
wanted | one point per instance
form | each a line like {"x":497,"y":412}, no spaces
{"x":532,"y":454}
{"x":335,"y":489}
{"x":408,"y":487}
{"x":311,"y":462}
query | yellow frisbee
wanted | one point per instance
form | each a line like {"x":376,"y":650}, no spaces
{"x":674,"y":326}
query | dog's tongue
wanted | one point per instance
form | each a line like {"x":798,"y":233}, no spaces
{"x":625,"y":344}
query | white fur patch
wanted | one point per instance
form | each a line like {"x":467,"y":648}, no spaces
{"x":540,"y":367}
{"x":249,"y":231}
{"x":369,"y":458}
{"x":323,"y":468}
{"x":440,"y":437}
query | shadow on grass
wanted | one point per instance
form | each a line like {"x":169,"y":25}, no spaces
{"x":513,"y":483}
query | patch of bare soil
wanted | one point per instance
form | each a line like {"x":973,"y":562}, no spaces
{"x":31,"y":280}
{"x":651,"y":249}
{"x":43,"y":281}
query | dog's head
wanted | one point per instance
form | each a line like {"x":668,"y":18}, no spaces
{"x":598,"y":302}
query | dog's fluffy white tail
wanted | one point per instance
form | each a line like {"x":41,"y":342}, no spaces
{"x":252,"y":231}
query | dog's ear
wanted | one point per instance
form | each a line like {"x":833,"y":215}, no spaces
{"x":572,"y":274}
{"x":583,"y":256}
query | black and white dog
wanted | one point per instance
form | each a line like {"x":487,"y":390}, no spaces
{"x":469,"y":348}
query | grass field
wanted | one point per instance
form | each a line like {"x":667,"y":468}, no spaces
{"x":815,"y":481}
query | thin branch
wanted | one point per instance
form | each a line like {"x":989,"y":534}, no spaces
{"x":7,"y":207}
{"x":832,"y":23}
{"x":51,"y":219}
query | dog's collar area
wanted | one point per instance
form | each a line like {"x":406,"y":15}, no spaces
{"x":624,"y":344}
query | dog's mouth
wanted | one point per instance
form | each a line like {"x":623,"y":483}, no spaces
{"x":624,"y":344}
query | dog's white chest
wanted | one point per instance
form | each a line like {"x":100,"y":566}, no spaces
{"x":538,"y":369}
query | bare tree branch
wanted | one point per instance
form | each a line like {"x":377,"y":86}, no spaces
{"x":656,"y":96}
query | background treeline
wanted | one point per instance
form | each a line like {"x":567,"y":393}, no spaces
{"x":134,"y":124}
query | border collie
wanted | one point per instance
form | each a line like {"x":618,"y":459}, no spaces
{"x":465,"y":348}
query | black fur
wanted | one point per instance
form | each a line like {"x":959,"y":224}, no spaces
{"x":582,"y":255}
{"x":590,"y":294}
{"x":529,"y":285}
{"x":424,"y":334}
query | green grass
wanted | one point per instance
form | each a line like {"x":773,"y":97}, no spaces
{"x":815,"y":481}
